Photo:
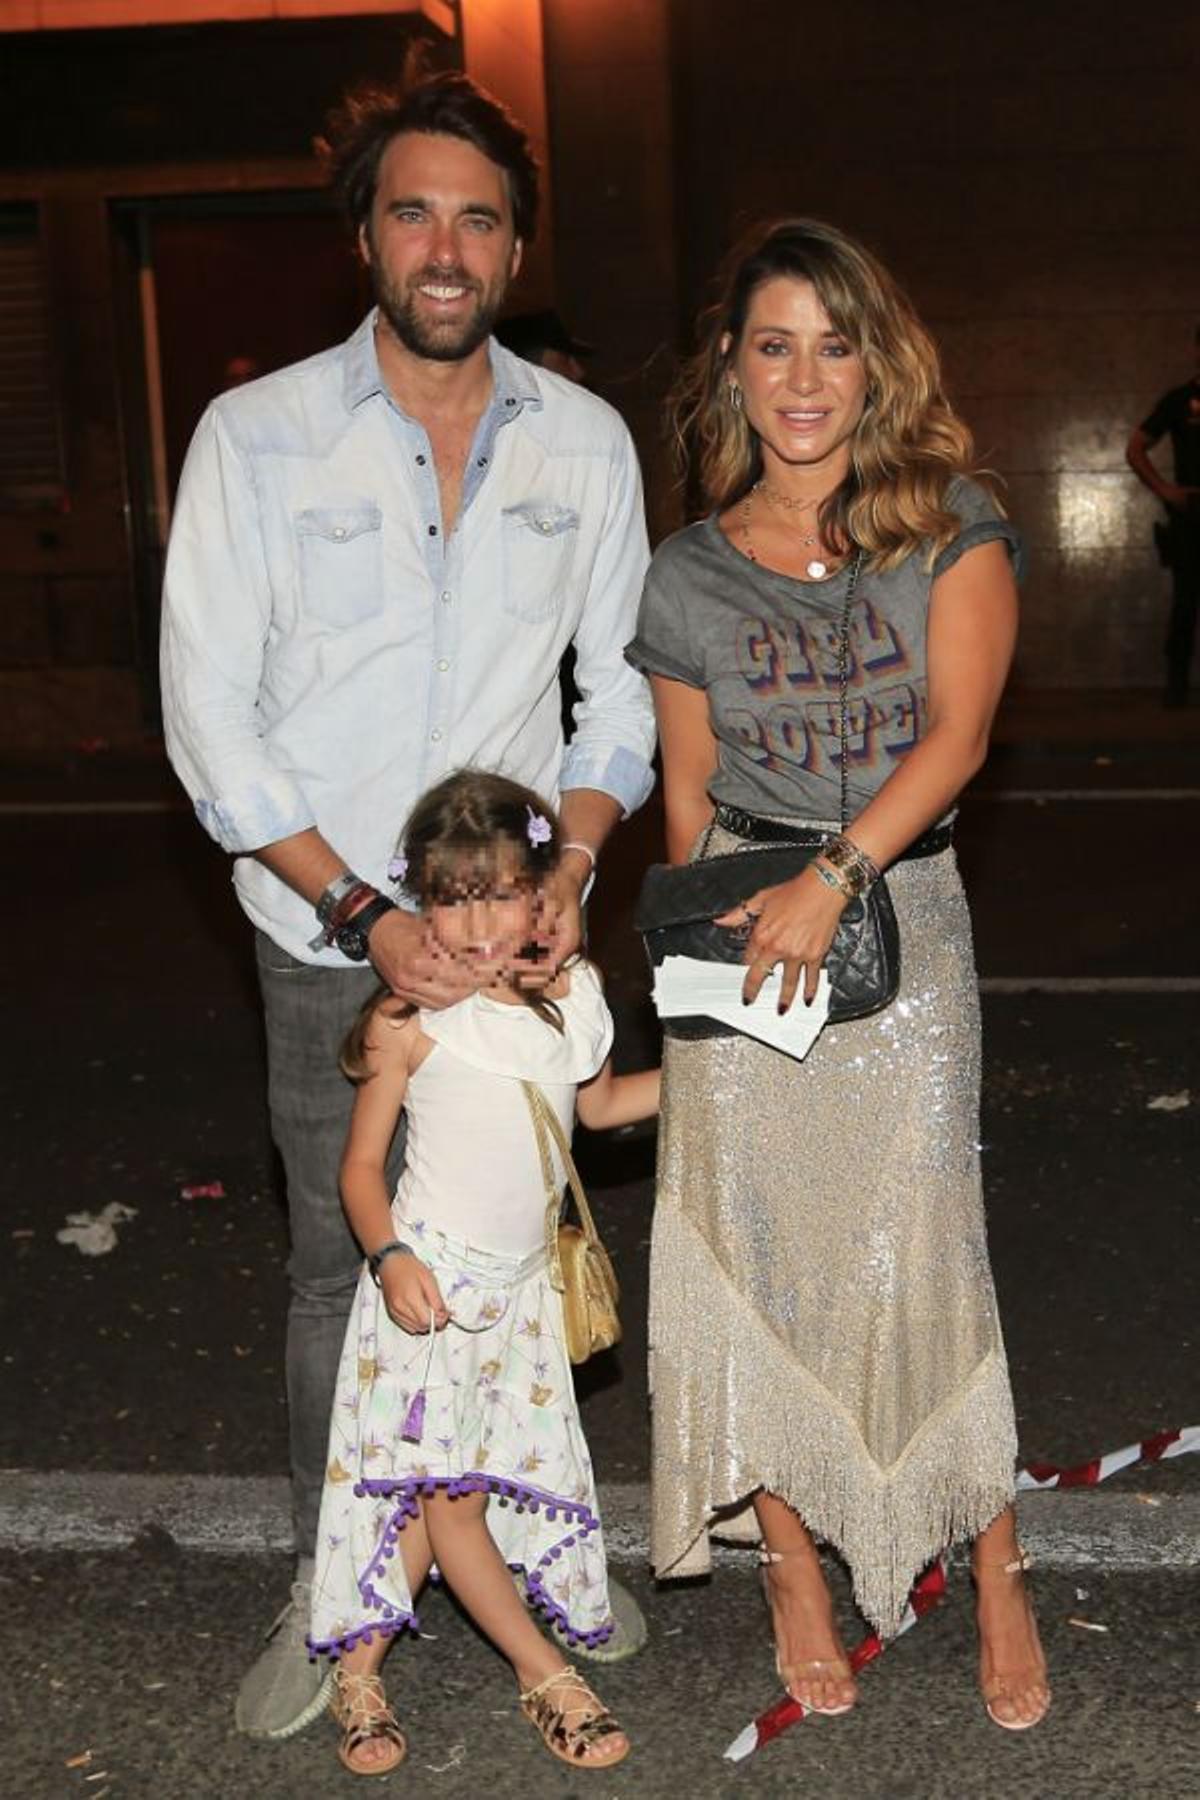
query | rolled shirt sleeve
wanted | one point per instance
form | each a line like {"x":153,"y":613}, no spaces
{"x":215,"y":621}
{"x":614,"y":735}
{"x":662,"y":644}
{"x":981,"y":523}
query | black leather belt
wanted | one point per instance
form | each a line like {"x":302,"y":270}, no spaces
{"x":758,"y":830}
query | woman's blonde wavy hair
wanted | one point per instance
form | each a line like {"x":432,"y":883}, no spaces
{"x":909,"y":444}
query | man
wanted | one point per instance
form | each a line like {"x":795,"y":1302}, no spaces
{"x":542,"y":339}
{"x":378,"y":559}
{"x":1177,"y":413}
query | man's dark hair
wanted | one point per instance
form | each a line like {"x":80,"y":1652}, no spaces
{"x":362,"y":127}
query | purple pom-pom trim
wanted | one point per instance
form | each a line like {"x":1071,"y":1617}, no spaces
{"x":407,"y":1492}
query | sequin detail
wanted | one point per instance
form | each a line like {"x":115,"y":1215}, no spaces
{"x":845,"y":1352}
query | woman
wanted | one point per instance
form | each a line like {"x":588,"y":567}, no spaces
{"x":844,"y":1375}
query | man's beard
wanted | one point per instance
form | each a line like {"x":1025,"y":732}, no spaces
{"x":438,"y":340}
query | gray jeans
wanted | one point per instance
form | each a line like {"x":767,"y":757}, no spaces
{"x":308,"y":1012}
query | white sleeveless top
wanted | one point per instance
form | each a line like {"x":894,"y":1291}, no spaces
{"x":471,"y":1160}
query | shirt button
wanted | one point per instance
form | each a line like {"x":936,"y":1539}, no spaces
{"x":544,"y":527}
{"x":510,"y":403}
{"x":339,"y":532}
{"x":420,"y":462}
{"x":435,"y":735}
{"x":447,"y":597}
{"x":443,"y":664}
{"x":482,"y":463}
{"x":433,"y":531}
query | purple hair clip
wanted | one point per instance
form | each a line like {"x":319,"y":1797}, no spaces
{"x":538,"y":830}
{"x":398,"y":868}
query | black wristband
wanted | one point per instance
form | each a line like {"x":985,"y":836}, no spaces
{"x":395,"y":1248}
{"x":352,"y":937}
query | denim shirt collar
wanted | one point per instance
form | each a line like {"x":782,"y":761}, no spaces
{"x":513,"y":383}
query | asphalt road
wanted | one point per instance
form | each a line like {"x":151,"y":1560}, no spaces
{"x":136,"y":1071}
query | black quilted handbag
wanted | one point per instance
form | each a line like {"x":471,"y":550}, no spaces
{"x":679,"y":903}
{"x":678,"y":906}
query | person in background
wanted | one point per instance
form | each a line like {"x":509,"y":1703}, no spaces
{"x":378,"y":559}
{"x":1176,"y":415}
{"x":541,"y":338}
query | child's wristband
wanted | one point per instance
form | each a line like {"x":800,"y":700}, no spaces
{"x":395,"y":1248}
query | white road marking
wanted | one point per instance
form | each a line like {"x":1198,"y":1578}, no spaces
{"x":230,"y":1514}
{"x":1089,"y":984}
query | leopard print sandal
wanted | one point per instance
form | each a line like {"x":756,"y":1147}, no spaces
{"x":359,"y":1707}
{"x":575,"y":1733}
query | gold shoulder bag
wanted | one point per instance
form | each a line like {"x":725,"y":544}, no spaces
{"x":579,"y":1266}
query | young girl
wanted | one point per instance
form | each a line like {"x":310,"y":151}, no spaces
{"x":455,"y":1437}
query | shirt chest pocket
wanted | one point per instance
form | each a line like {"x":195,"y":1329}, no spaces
{"x":341,"y":562}
{"x":538,"y":542}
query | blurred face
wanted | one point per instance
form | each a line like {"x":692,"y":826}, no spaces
{"x":803,"y":386}
{"x":440,"y":245}
{"x":490,"y":920}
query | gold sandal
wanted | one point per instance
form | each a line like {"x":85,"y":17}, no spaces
{"x":359,"y":1706}
{"x":1008,"y":1687}
{"x":571,"y":1732}
{"x":819,"y":1668}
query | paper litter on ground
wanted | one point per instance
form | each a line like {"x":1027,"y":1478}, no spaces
{"x":95,"y":1234}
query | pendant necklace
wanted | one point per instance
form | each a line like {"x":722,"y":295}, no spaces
{"x":816,"y":568}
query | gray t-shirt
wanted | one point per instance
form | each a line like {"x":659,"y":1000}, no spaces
{"x":764,"y":647}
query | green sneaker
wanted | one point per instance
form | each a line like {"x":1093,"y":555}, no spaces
{"x":629,"y":1632}
{"x":285,"y":1690}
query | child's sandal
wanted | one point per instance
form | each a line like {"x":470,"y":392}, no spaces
{"x":359,"y":1706}
{"x":573,"y":1733}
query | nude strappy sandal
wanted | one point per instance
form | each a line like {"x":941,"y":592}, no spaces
{"x":1009,"y":1686}
{"x":570,"y":1732}
{"x":821,"y":1668}
{"x":359,"y":1707}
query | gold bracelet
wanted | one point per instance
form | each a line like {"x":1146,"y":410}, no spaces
{"x":843,"y":854}
{"x":833,"y":878}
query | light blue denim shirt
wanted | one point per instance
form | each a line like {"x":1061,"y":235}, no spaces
{"x":327,"y":654}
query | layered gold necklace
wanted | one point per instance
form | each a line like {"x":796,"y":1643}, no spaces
{"x":816,"y":568}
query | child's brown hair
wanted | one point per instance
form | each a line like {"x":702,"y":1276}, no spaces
{"x":451,"y":844}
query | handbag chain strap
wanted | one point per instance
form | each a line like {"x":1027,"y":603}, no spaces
{"x":547,"y":1125}
{"x":844,"y":690}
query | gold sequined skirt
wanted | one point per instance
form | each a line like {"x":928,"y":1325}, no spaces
{"x":822,"y":1317}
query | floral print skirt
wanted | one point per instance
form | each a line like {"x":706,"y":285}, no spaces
{"x":485,"y":1406}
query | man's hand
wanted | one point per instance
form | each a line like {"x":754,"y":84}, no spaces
{"x":558,"y":932}
{"x":408,"y":961}
{"x":564,"y":906}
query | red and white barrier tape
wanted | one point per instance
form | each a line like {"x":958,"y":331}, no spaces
{"x":1159,"y":1448}
{"x":924,"y":1597}
{"x":932,"y":1585}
